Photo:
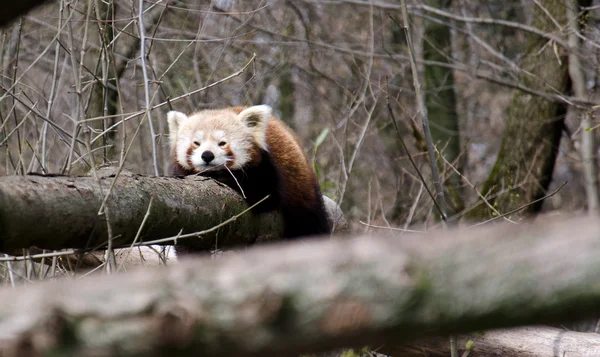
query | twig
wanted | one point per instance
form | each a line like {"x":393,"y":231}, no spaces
{"x":408,"y":154}
{"x":390,"y":228}
{"x":491,"y":21}
{"x":174,"y":99}
{"x":139,"y":232}
{"x":146,"y":84}
{"x":11,"y":275}
{"x":236,"y":180}
{"x":20,"y":166}
{"x":62,"y":133}
{"x":8,"y":258}
{"x":16,"y":129}
{"x":110,"y":258}
{"x":78,"y":88}
{"x":520,"y":208}
{"x":199,"y":233}
{"x":423,"y":115}
{"x":490,"y":206}
{"x":357,"y":146}
{"x":413,"y":207}
{"x":52,"y":88}
{"x":559,"y":27}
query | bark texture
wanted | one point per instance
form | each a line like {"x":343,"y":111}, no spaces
{"x":312,"y":296}
{"x":440,"y":100}
{"x":62,"y":212}
{"x":538,"y":341}
{"x":532,"y":135}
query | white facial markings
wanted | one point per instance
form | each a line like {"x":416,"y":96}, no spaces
{"x":183,"y":143}
{"x":200,"y":135}
{"x":240,"y":151}
{"x":209,"y":141}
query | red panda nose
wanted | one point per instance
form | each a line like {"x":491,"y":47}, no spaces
{"x":207,"y":156}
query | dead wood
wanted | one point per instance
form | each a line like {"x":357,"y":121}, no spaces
{"x":531,"y":341}
{"x":318,"y":295}
{"x":62,"y":212}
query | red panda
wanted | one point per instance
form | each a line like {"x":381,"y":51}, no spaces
{"x":255,"y":154}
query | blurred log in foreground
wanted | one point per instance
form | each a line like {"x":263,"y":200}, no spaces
{"x":318,"y":295}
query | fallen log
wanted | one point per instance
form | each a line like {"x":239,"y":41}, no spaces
{"x":317,"y":295}
{"x":58,"y":212}
{"x":531,"y":341}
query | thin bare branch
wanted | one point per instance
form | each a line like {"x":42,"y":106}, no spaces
{"x":148,"y":112}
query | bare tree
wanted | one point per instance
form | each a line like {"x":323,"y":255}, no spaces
{"x":534,"y":128}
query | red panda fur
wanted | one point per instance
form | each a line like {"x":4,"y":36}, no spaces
{"x":282,"y":170}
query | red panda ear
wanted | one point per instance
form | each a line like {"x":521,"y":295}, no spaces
{"x":256,"y":118}
{"x":257,"y":115}
{"x":175,"y":119}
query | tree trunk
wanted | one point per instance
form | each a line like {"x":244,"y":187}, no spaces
{"x":532,"y":136}
{"x":440,"y":100}
{"x":317,"y":295}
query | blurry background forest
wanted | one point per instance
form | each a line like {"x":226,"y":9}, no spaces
{"x":79,"y":88}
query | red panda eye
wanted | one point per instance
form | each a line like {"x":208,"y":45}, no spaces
{"x":222,"y":143}
{"x":197,"y":143}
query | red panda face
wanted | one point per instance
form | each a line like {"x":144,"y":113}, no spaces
{"x":210,"y":149}
{"x":212,"y":139}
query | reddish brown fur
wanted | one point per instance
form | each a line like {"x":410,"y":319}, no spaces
{"x":230,"y":154}
{"x":189,"y":154}
{"x":299,"y":178}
